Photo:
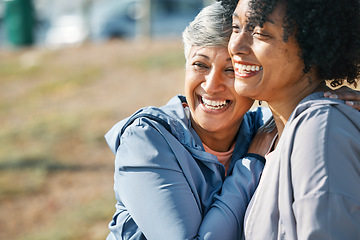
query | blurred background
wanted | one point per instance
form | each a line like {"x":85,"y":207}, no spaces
{"x":58,"y":23}
{"x":69,"y":70}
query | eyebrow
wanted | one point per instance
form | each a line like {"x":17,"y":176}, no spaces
{"x":201,"y":55}
{"x":267,"y":20}
{"x":207,"y":57}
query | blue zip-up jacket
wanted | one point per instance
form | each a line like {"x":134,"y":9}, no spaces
{"x":165,"y":183}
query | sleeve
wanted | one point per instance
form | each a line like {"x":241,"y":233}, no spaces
{"x":325,"y":172}
{"x":152,"y":192}
{"x":230,"y":206}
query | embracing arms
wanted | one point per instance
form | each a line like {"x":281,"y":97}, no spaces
{"x":163,"y":197}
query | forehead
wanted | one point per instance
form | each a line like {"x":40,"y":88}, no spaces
{"x":208,"y":52}
{"x":258,"y":9}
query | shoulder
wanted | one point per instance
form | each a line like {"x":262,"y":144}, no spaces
{"x":256,"y":117}
{"x":324,"y":127}
{"x":322,"y":142}
{"x":146,"y":143}
{"x":142,"y":129}
{"x":148,"y":119}
{"x":324,"y":119}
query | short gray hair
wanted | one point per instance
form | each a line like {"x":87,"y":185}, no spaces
{"x":210,"y":28}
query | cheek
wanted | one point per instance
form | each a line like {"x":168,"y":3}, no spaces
{"x":293,"y":64}
{"x":193,"y":79}
{"x":191,"y":82}
{"x":291,"y":54}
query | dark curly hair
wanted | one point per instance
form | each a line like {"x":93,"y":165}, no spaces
{"x":328,"y":33}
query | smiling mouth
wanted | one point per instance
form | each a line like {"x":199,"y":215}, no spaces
{"x":247,"y":70}
{"x":214,"y":105}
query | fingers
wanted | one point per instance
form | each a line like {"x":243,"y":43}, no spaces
{"x":263,"y":138}
{"x":354,"y":104}
{"x":350,"y":96}
{"x":344,"y":93}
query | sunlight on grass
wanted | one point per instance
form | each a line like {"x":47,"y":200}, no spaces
{"x":17,"y":182}
{"x":36,"y":137}
{"x":12,"y":69}
{"x":73,"y":224}
{"x":166,"y":60}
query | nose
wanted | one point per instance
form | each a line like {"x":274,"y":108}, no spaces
{"x":240,"y":43}
{"x":214,"y":82}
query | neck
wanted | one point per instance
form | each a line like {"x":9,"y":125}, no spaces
{"x":218,"y":144}
{"x":219,"y":141}
{"x":283,"y":108}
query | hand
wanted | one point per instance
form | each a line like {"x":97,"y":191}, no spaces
{"x":350,"y":96}
{"x":263,"y":138}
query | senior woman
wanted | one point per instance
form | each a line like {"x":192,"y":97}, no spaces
{"x":171,"y":161}
{"x":309,"y":188}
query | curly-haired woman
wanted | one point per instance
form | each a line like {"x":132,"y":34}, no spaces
{"x":283,"y":53}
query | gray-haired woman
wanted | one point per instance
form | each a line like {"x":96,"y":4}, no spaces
{"x":171,"y":161}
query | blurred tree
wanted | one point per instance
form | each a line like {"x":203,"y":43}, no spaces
{"x":19,"y":22}
{"x":144,"y":21}
{"x":86,"y":6}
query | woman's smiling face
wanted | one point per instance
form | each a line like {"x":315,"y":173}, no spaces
{"x":266,"y":67}
{"x":209,"y":88}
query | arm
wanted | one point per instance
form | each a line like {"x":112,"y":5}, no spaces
{"x":239,"y":187}
{"x":230,"y":206}
{"x":152,"y":188}
{"x":326,"y":174}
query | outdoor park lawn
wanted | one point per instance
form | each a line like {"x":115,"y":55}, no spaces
{"x":56,"y":171}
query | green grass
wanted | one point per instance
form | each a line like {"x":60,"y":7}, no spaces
{"x":73,"y":224}
{"x":16,"y":181}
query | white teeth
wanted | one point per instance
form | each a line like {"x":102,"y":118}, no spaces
{"x":214,"y":104}
{"x":247,"y":68}
{"x":236,"y":58}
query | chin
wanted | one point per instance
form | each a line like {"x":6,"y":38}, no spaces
{"x":244,"y":89}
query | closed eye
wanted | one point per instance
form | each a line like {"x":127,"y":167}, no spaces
{"x":235,"y":28}
{"x":260,"y":34}
{"x":230,"y":69}
{"x":200,"y":65}
{"x":230,"y":72}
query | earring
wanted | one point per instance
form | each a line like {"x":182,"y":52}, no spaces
{"x":260,"y":102}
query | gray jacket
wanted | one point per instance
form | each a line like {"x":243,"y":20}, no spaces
{"x":310,"y":188}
